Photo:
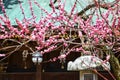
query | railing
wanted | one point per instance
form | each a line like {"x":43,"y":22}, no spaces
{"x":17,"y":76}
{"x":60,"y":76}
{"x":45,"y":76}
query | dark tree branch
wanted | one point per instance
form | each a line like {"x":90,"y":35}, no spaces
{"x":105,"y":6}
{"x":55,"y":1}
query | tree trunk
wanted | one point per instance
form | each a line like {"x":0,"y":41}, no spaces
{"x":115,"y":64}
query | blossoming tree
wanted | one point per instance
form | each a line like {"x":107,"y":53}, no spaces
{"x":95,"y":33}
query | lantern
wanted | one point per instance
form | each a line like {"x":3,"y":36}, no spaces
{"x":37,"y":57}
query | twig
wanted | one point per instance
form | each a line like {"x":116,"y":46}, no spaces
{"x":105,"y":6}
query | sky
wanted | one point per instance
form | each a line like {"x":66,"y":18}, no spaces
{"x":13,"y":8}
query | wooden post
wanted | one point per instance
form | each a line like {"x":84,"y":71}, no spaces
{"x":39,"y":72}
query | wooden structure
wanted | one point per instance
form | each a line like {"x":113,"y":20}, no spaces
{"x":46,"y":71}
{"x":46,"y":76}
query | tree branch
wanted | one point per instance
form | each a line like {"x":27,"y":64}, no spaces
{"x":105,"y":6}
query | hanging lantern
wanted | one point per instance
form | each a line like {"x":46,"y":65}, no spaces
{"x":37,"y":57}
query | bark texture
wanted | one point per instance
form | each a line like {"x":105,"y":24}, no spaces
{"x":115,"y":64}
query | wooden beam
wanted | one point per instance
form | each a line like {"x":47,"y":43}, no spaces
{"x":39,"y":72}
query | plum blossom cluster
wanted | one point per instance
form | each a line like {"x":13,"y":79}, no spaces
{"x":47,"y":32}
{"x":2,"y":55}
{"x":98,"y":33}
